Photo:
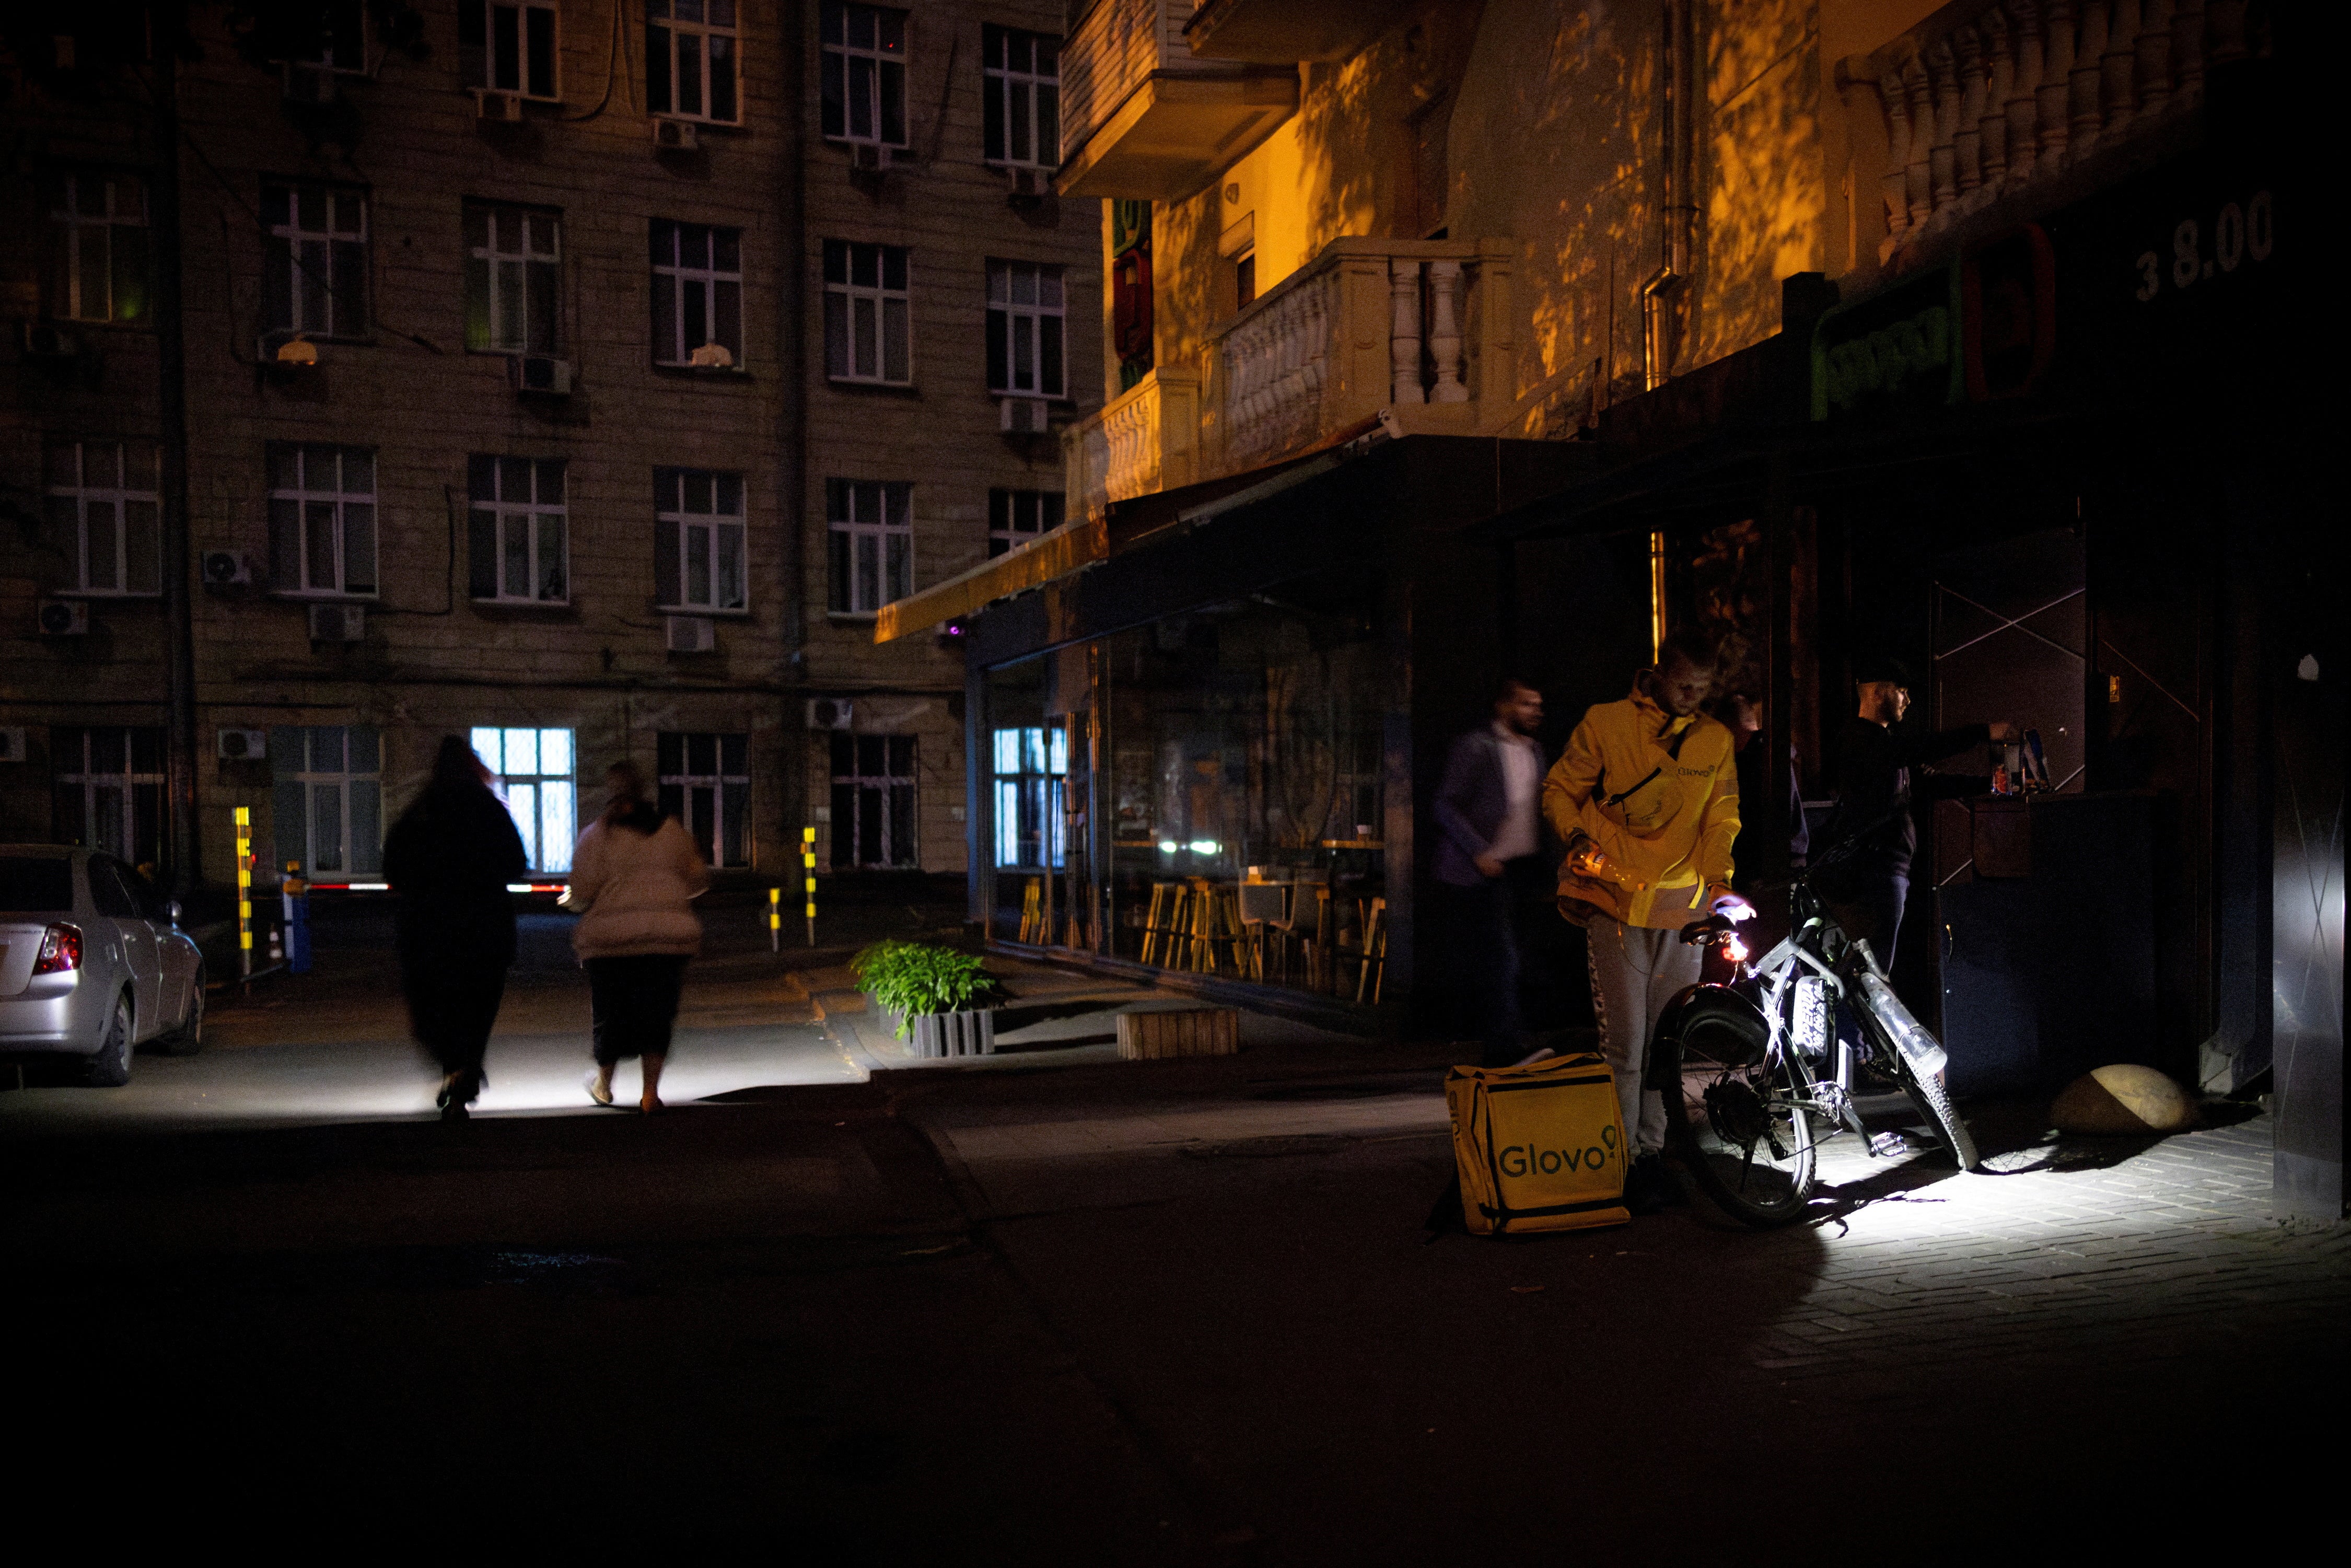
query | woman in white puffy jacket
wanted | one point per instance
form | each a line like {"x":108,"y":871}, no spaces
{"x":635,"y":874}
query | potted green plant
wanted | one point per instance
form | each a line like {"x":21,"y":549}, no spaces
{"x":939,"y":997}
{"x":870,"y":966}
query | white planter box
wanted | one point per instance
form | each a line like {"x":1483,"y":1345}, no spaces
{"x":956,"y":1034}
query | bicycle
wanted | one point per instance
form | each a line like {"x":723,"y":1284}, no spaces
{"x":1756,"y":1076}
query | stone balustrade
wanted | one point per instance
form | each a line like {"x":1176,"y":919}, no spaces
{"x":1143,"y":440}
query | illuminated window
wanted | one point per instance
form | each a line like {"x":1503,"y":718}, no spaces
{"x":534,"y":768}
{"x":1030,"y":767}
{"x":1024,"y":328}
{"x":321,"y":519}
{"x":1017,"y":517}
{"x":698,"y":291}
{"x":104,"y":270}
{"x":1021,"y":114}
{"x":706,"y":784}
{"x":329,"y":798}
{"x":314,"y":264}
{"x":873,"y":802}
{"x":517,"y":530}
{"x":508,"y":46}
{"x":864,"y":74}
{"x":868,"y":313}
{"x":691,"y":59}
{"x":870,"y":540}
{"x":110,"y":789}
{"x":514,"y":271}
{"x":102,"y":505}
{"x":698,"y":540}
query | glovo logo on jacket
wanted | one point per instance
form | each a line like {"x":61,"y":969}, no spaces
{"x":1529,"y":1159}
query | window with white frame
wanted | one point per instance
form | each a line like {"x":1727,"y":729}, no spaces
{"x":1021,"y":116}
{"x":864,"y":74}
{"x":693,"y":58}
{"x":1029,"y":772}
{"x":108,"y":790}
{"x":706,"y":784}
{"x":315,"y":266}
{"x":873,"y":795}
{"x":517,"y":530}
{"x":1024,"y":328}
{"x":509,"y":46}
{"x":534,"y":777}
{"x":103,"y":509}
{"x":697,"y":294}
{"x":340,"y":42}
{"x":867,"y":313}
{"x":321,"y":518}
{"x":104,"y":270}
{"x":329,"y":798}
{"x":514,"y":274}
{"x":871,"y":537}
{"x":698,"y":547}
{"x":1017,"y":517}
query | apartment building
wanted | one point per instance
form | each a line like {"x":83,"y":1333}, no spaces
{"x":576,"y":375}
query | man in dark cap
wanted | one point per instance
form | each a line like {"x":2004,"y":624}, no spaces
{"x":1866,"y":886}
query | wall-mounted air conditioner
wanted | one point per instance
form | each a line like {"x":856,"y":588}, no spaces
{"x":540,"y":374}
{"x":46,"y":340}
{"x":64,"y":618}
{"x":226,"y":569}
{"x":692,"y":634}
{"x":830,"y":713}
{"x":244,"y":745}
{"x":497,"y":108}
{"x":1023,"y":415}
{"x":1028,"y":184}
{"x":866,"y":155}
{"x":674,"y":136}
{"x":338,"y":622}
{"x":311,"y":83}
{"x":12,"y":744}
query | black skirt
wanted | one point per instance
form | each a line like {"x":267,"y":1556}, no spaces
{"x":633,"y":1000}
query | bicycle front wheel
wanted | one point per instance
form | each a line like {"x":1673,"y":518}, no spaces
{"x":1739,"y":1118}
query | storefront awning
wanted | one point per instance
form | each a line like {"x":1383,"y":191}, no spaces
{"x":1065,"y":549}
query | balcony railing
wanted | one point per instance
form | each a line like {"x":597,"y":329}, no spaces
{"x":1144,"y":439}
{"x":1982,"y":101}
{"x":1145,"y":118}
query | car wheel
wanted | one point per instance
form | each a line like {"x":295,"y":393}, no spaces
{"x":189,"y":1038}
{"x":110,"y":1067}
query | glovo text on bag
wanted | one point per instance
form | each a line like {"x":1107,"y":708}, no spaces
{"x":1529,"y":1159}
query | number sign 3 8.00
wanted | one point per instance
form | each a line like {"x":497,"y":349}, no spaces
{"x":2238,"y":235}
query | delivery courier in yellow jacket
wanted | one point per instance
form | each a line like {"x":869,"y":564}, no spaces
{"x":1646,"y":798}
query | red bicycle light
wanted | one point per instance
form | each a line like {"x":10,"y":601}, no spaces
{"x":60,"y":950}
{"x":1734,"y":949}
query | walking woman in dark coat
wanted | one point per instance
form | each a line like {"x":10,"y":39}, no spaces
{"x":449,"y":858}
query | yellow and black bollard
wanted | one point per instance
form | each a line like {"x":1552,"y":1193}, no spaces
{"x":245,"y":893}
{"x":774,"y":920}
{"x":808,"y":876}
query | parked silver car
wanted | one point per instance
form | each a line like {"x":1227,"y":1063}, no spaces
{"x":92,"y":962}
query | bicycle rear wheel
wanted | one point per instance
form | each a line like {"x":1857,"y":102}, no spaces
{"x":1737,"y":1118}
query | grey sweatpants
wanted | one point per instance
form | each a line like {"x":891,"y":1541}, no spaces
{"x":1634,"y":973}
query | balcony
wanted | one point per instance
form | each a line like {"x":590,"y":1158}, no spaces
{"x":1984,"y":101}
{"x":1144,"y":439}
{"x":1144,"y":120}
{"x":1283,"y":32}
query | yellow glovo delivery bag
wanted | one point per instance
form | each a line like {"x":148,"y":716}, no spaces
{"x":1541,"y":1147}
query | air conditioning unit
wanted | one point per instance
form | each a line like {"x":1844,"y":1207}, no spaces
{"x":226,"y":569}
{"x":692,"y":634}
{"x":311,"y":83}
{"x":244,"y":745}
{"x":1022,"y":416}
{"x":64,"y":618}
{"x":830,"y":713}
{"x":12,"y":744}
{"x":338,"y":622}
{"x":540,"y":374}
{"x":43,"y":340}
{"x":499,"y":108}
{"x":866,"y":155}
{"x":674,"y":136}
{"x":1028,"y":184}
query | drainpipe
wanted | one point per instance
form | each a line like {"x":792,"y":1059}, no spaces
{"x":1660,"y":295}
{"x":791,"y":320}
{"x":172,"y":407}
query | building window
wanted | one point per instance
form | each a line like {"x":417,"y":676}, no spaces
{"x":698,"y":295}
{"x":514,"y":267}
{"x":340,"y":42}
{"x":870,"y":544}
{"x":517,"y":532}
{"x":864,"y":82}
{"x":1017,"y":517}
{"x":1030,"y":767}
{"x":698,"y":551}
{"x":103,"y":271}
{"x":534,"y":779}
{"x":867,"y":310}
{"x":329,"y":798}
{"x":321,"y":518}
{"x":1021,"y":113}
{"x":1245,"y":278}
{"x":102,"y":508}
{"x":873,"y":802}
{"x":706,"y":784}
{"x":508,"y":46}
{"x":110,"y":791}
{"x":1024,"y":328}
{"x":314,"y":272}
{"x":691,"y":59}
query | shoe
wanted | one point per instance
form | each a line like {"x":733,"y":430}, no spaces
{"x":1647,"y":1186}
{"x":599,"y":1093}
{"x":1545,"y":1054}
{"x":648,"y":1107}
{"x":448,"y":1090}
{"x":454,"y":1110}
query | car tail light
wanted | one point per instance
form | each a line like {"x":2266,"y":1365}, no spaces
{"x":60,"y":950}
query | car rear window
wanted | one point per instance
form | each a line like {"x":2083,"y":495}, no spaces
{"x":36,"y":885}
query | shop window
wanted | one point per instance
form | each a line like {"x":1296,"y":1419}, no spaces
{"x":517,"y":530}
{"x":1028,"y":770}
{"x":329,"y":800}
{"x":692,"y":60}
{"x":534,"y":769}
{"x":102,"y":508}
{"x":508,"y":46}
{"x":322,"y":519}
{"x":698,"y":295}
{"x":870,"y":544}
{"x":1020,"y":115}
{"x":706,"y":784}
{"x":864,"y":83}
{"x":868,"y":314}
{"x":109,"y":783}
{"x":104,"y":269}
{"x":1024,"y":328}
{"x":698,"y":544}
{"x":514,"y":274}
{"x":1017,"y":517}
{"x":873,"y":802}
{"x":315,"y":262}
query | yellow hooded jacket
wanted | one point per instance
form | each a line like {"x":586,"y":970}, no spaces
{"x":1659,"y":797}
